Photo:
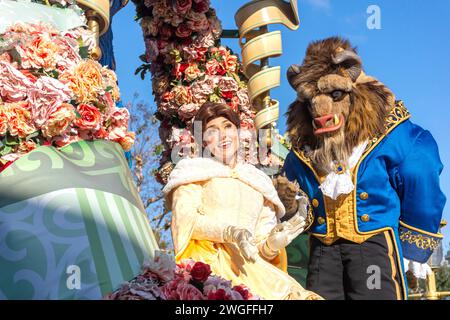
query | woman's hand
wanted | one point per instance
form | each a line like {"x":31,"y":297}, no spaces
{"x":243,"y":239}
{"x":282,"y":235}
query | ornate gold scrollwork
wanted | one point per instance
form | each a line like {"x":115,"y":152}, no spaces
{"x":421,"y":241}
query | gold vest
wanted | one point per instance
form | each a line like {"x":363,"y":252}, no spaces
{"x":341,"y":220}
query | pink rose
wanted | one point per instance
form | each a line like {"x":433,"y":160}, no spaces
{"x":68,"y":54}
{"x":169,"y":290}
{"x":40,"y":52}
{"x":68,"y":137}
{"x":90,"y":117}
{"x":244,"y":100}
{"x":228,"y":84}
{"x":13,"y":84}
{"x":212,"y":67}
{"x":152,"y":51}
{"x":116,"y":133}
{"x":187,"y":291}
{"x":197,"y":21}
{"x":187,"y":111}
{"x":162,"y":265}
{"x":45,"y":96}
{"x":182,"y":6}
{"x":59,"y":120}
{"x":122,"y":136}
{"x":120,"y":117}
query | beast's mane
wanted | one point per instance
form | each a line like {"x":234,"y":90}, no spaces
{"x":370,"y":100}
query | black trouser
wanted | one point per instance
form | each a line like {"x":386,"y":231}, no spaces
{"x":347,"y":270}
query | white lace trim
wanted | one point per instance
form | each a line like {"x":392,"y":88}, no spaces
{"x":336,"y":184}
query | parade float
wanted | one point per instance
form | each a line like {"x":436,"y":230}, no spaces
{"x":72,"y":224}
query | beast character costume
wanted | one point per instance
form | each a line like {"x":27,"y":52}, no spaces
{"x":376,"y":204}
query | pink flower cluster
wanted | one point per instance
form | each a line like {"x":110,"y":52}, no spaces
{"x":162,"y":279}
{"x":52,"y":94}
{"x":189,"y":67}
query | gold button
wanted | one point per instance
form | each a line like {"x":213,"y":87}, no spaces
{"x":315,"y":203}
{"x":364,"y":195}
{"x":320,"y":220}
{"x":365,"y":217}
{"x":234,"y":174}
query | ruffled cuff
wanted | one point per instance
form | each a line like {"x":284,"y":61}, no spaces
{"x":417,"y":244}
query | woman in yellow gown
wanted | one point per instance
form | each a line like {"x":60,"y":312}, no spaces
{"x":227,"y":214}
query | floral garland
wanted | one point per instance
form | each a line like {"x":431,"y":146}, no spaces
{"x":189,"y":66}
{"x":162,"y":279}
{"x":51,"y":93}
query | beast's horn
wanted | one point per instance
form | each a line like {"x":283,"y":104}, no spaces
{"x":293,"y":71}
{"x":350,"y":61}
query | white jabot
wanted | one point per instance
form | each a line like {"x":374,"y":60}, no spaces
{"x":336,"y":184}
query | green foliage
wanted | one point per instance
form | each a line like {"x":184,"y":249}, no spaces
{"x":443,"y":279}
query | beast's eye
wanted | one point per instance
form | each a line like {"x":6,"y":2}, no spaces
{"x":337,"y":95}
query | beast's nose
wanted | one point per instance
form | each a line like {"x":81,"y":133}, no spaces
{"x":321,"y":122}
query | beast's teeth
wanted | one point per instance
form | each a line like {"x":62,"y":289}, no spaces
{"x":314,"y":125}
{"x":336,"y":120}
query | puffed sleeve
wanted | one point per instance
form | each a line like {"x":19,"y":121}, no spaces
{"x":422,"y":201}
{"x":188,"y":219}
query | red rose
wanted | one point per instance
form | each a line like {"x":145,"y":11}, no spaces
{"x":90,"y":117}
{"x":201,"y":6}
{"x":200,"y":271}
{"x":227,"y":94}
{"x":243,"y":291}
{"x":219,"y":294}
{"x":183,"y":31}
{"x":182,"y":6}
{"x":179,"y":69}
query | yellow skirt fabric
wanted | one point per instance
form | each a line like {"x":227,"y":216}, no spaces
{"x":261,"y":277}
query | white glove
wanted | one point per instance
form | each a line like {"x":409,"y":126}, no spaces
{"x":419,"y":270}
{"x":282,"y":235}
{"x":244,"y":240}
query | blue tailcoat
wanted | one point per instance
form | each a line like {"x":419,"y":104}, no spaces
{"x":400,"y":173}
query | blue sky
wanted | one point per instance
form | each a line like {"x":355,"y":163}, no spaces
{"x":410,"y":54}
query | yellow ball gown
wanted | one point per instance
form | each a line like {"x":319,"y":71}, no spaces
{"x":206,"y":196}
